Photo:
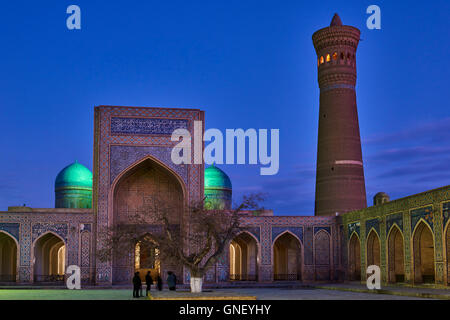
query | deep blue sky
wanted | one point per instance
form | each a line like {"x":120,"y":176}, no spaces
{"x":248,"y":64}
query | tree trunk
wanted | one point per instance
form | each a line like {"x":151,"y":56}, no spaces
{"x":196,"y":280}
{"x":196,"y":284}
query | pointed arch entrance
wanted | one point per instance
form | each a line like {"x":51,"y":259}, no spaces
{"x":137,"y":194}
{"x":396,"y":256}
{"x":423,"y":254}
{"x":244,"y":258}
{"x":49,"y":258}
{"x":287,"y":258}
{"x":147,"y":257}
{"x":8,"y":258}
{"x":373,"y":249}
{"x":354,"y":258}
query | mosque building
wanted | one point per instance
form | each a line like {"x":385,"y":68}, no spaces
{"x":408,"y":238}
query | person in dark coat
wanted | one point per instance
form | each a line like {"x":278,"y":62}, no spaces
{"x":148,"y":281}
{"x":171,"y":281}
{"x":159,"y":282}
{"x":137,"y":284}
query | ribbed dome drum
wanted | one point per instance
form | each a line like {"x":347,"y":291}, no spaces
{"x":73,"y":187}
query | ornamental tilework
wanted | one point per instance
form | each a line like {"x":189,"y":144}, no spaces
{"x":298,"y":231}
{"x":317,"y":229}
{"x":354,"y":227}
{"x":445,"y":213}
{"x":34,"y":224}
{"x":138,"y":126}
{"x":122,"y":157}
{"x":256,"y":231}
{"x":25,"y":245}
{"x":24,"y":274}
{"x":266,"y":244}
{"x":210,"y":275}
{"x":397,"y":219}
{"x":223,"y":274}
{"x":136,"y":133}
{"x":60,"y":229}
{"x":85,"y":248}
{"x":72,"y":245}
{"x":308,"y":247}
{"x":373,"y":223}
{"x":322,"y":248}
{"x":11,"y":228}
{"x":425,"y":213}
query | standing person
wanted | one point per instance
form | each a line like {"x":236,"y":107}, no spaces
{"x":137,"y":283}
{"x":148,"y":281}
{"x":171,"y":281}
{"x":159,"y":282}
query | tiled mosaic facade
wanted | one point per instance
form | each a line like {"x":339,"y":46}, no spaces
{"x":33,"y":224}
{"x":124,"y":137}
{"x":429,"y":209}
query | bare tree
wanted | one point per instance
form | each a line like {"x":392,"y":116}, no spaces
{"x":197,"y":243}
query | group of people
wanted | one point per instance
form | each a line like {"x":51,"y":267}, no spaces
{"x":137,"y":283}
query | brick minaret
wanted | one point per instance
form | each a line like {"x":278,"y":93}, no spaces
{"x":340,"y":174}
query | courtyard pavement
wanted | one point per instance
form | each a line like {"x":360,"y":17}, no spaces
{"x":423,"y":291}
{"x":259,"y":293}
{"x":284,"y":294}
{"x":262,"y":291}
{"x":65,"y":294}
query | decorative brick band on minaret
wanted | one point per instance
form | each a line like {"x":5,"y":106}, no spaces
{"x":340,"y":183}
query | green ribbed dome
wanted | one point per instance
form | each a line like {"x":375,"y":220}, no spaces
{"x":73,"y":187}
{"x":74,"y":175}
{"x":216,"y":178}
{"x":218,"y":191}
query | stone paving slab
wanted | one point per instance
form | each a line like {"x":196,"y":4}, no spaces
{"x":398,"y":290}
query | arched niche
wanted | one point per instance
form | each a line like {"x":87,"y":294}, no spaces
{"x":396,"y":255}
{"x":244,"y":258}
{"x":49,"y":258}
{"x":423,"y":253}
{"x":145,"y":185}
{"x":287,"y":258}
{"x":373,"y":249}
{"x":8,"y":258}
{"x":354,"y":258}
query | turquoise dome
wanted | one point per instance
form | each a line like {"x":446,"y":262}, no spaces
{"x":73,"y":187}
{"x":216,"y":178}
{"x":218,"y":189}
{"x":74,"y":175}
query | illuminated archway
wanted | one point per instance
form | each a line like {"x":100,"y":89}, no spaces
{"x":140,"y":194}
{"x":147,"y":257}
{"x":287,"y":258}
{"x":396,"y":256}
{"x":49,"y":258}
{"x":354,"y":258}
{"x":423,"y":254}
{"x":8,"y":258}
{"x":244,"y":258}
